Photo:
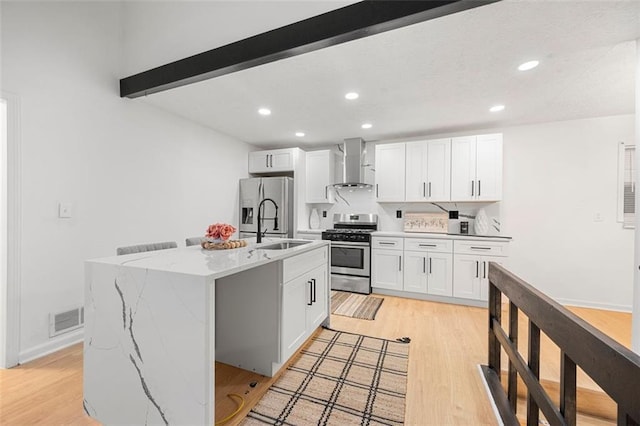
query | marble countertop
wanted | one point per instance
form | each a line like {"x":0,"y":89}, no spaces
{"x":311,"y":231}
{"x":439,"y":235}
{"x":214,"y":264}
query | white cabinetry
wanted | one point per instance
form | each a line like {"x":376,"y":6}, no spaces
{"x":276,"y":160}
{"x":428,"y":170}
{"x":304,"y":298}
{"x":386,"y":262}
{"x":476,"y":168}
{"x":428,"y":266}
{"x":320,"y":172}
{"x":390,"y":172}
{"x":471,"y":267}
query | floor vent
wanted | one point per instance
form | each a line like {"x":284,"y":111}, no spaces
{"x":65,"y":321}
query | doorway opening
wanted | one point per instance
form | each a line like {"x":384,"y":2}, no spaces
{"x":3,"y":233}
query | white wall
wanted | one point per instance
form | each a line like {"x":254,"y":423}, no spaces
{"x":133,"y":173}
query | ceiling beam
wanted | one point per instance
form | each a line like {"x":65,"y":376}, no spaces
{"x":348,"y":23}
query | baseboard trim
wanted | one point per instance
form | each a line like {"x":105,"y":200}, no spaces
{"x":430,"y":298}
{"x":594,"y":305}
{"x":60,"y":342}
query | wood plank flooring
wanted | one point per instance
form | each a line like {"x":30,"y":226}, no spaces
{"x":444,"y":387}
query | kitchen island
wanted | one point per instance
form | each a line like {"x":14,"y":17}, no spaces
{"x":156,"y":322}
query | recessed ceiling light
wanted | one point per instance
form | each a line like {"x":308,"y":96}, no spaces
{"x":528,"y":65}
{"x":496,"y":108}
{"x":264,"y":111}
{"x":367,"y":126}
{"x":351,"y":96}
{"x":300,"y":134}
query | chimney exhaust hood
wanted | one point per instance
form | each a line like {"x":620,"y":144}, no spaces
{"x":353,"y":171}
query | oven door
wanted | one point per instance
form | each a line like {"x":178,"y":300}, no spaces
{"x":350,"y":258}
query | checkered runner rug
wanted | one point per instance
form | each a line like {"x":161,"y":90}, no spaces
{"x":339,"y":379}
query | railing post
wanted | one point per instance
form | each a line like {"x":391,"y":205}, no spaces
{"x":495,"y":311}
{"x":568,"y":389}
{"x":533,"y":411}
{"x":512,"y":389}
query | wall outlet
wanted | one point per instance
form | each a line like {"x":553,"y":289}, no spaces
{"x":399,"y":214}
{"x":64,"y":210}
{"x":324,"y":213}
{"x":453,"y":214}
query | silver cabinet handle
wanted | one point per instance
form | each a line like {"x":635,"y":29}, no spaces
{"x":430,"y":269}
{"x":480,"y":248}
{"x":424,"y":190}
{"x":271,"y":160}
{"x":429,"y":189}
{"x":310,"y":293}
{"x":427,"y":245}
{"x":386,"y":243}
{"x":313,"y":298}
{"x":376,"y":190}
{"x":477,"y":269}
{"x":266,"y":160}
{"x":484,"y":269}
{"x":326,"y":193}
{"x":479,"y":188}
{"x":400,"y":263}
{"x":424,"y":267}
{"x":472,"y":187}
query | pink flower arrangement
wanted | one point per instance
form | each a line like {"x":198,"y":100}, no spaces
{"x":220,"y":231}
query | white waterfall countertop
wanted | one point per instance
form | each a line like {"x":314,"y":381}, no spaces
{"x":153,"y":319}
{"x":195,"y":260}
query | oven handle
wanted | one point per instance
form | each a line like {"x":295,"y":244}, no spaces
{"x":347,"y":244}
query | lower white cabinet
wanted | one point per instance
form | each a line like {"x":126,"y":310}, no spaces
{"x":304,"y":308}
{"x":471,"y":267}
{"x":386,"y":269}
{"x":428,"y":266}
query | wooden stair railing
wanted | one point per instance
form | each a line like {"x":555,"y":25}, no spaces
{"x":612,"y":366}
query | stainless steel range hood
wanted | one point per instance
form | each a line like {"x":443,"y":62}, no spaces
{"x":353,"y":169}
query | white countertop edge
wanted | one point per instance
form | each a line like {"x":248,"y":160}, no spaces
{"x":311,"y":231}
{"x":434,"y":235}
{"x":136,"y":260}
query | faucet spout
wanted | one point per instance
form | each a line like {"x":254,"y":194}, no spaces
{"x":260,"y":219}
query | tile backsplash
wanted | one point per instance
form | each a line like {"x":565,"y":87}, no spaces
{"x":363,"y":201}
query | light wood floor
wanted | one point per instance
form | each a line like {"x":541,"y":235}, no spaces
{"x":444,"y":387}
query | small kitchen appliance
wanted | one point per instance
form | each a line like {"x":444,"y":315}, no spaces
{"x":351,"y":251}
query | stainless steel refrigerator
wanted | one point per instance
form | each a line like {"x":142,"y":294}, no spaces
{"x":276,"y":222}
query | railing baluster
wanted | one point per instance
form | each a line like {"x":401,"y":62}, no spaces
{"x":533,"y":412}
{"x":624,"y":419}
{"x":512,"y":389}
{"x":495,"y":312}
{"x":568,"y":389}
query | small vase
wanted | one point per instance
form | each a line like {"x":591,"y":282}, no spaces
{"x":314,"y":219}
{"x":481,"y":224}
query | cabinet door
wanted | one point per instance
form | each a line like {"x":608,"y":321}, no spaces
{"x":317,"y":311}
{"x":294,"y":305}
{"x":466,"y":269}
{"x":258,"y":162}
{"x":440,"y":274}
{"x":438,"y":168}
{"x":319,"y":175}
{"x":484,"y":274}
{"x":463,"y":168}
{"x":415,"y":173}
{"x":390,"y":169}
{"x":281,"y":160}
{"x":489,"y":167}
{"x":386,"y":269}
{"x":415,"y":271}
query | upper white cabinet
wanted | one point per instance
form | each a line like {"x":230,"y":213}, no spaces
{"x":276,"y":160}
{"x":428,"y":170}
{"x":320,"y":172}
{"x":390,"y":172}
{"x":476,"y":168}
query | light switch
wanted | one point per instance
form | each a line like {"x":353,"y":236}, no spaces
{"x":64,"y":210}
{"x":597,"y":217}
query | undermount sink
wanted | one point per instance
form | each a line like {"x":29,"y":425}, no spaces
{"x":284,"y":245}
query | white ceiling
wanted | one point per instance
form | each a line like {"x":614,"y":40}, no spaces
{"x":434,"y":77}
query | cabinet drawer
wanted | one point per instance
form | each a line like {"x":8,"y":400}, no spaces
{"x":295,"y":266}
{"x":492,"y":248}
{"x":427,"y":244}
{"x":389,"y":243}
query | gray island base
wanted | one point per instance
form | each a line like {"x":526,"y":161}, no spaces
{"x":156,"y":322}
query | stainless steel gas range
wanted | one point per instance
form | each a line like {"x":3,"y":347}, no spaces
{"x":351,"y":251}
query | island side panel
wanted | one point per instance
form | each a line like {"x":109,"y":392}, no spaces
{"x":148,"y":349}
